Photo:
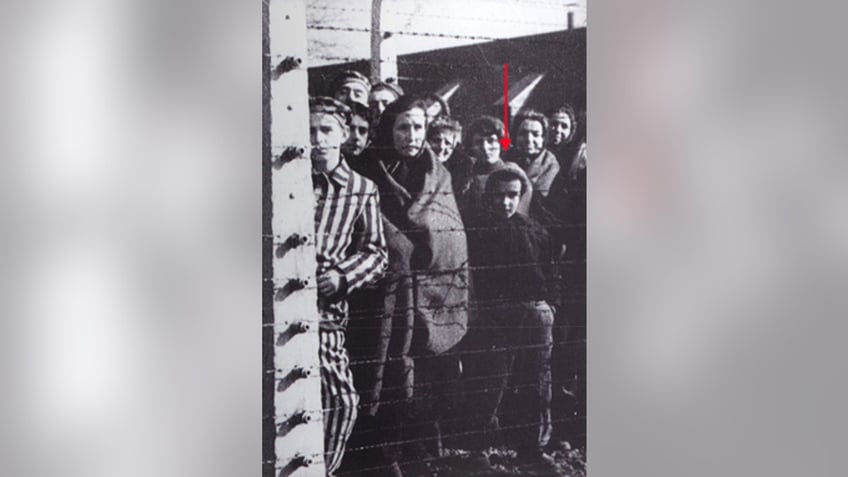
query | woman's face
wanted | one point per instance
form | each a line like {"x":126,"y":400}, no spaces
{"x":442,"y":143}
{"x":531,"y":136}
{"x":409,"y":131}
{"x":561,"y":128}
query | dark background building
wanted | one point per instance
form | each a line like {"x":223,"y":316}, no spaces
{"x":478,"y":69}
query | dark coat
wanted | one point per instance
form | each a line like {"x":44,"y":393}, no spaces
{"x":417,"y":198}
{"x":541,"y":171}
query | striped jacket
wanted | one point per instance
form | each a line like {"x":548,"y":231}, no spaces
{"x":348,"y":236}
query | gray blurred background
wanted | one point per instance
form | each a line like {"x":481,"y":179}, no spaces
{"x":718,"y":224}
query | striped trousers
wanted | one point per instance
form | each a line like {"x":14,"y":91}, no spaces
{"x":338,"y":397}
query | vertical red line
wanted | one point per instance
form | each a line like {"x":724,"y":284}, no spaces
{"x":506,"y":100}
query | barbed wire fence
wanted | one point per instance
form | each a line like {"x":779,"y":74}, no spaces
{"x":292,"y":413}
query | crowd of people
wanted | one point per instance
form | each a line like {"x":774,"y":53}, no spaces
{"x":445,"y":266}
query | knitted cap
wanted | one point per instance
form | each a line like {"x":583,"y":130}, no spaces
{"x":350,"y":76}
{"x":323,"y":104}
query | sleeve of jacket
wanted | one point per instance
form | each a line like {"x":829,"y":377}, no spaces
{"x":368,"y":258}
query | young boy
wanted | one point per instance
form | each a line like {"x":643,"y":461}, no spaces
{"x":351,"y":86}
{"x":514,"y":281}
{"x":351,"y":251}
{"x":360,"y":127}
{"x":382,"y":95}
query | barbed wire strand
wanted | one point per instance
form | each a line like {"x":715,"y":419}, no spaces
{"x":403,"y":61}
{"x":462,"y":379}
{"x":407,"y":400}
{"x":281,"y":420}
{"x":457,"y":434}
{"x":521,"y":39}
{"x":465,"y":352}
{"x":511,"y":21}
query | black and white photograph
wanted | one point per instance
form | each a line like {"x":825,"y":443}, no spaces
{"x":356,"y":238}
{"x":424,"y":204}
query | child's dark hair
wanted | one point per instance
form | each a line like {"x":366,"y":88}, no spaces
{"x":360,"y":110}
{"x":484,"y":126}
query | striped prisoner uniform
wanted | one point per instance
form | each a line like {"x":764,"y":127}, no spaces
{"x":348,"y":238}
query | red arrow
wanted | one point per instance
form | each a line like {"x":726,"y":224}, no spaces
{"x":506,"y":141}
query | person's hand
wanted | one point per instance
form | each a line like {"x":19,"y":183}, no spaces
{"x":329,"y":283}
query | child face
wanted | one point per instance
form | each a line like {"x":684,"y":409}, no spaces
{"x":352,"y":91}
{"x":561,"y":128}
{"x":487,"y":148}
{"x":443,"y":143}
{"x":504,"y":197}
{"x":530,"y":138}
{"x":409,"y":131}
{"x":326,"y":135}
{"x":379,"y":99}
{"x":358,"y":136}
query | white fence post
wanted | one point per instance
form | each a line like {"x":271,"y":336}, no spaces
{"x":297,"y":414}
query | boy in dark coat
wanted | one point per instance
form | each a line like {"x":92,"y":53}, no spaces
{"x":508,"y":347}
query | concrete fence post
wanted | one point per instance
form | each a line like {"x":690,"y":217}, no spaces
{"x":291,"y":329}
